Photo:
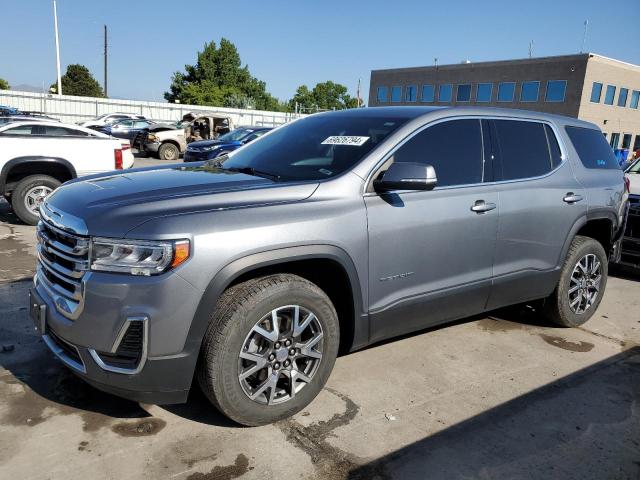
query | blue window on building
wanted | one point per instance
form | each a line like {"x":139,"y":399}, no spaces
{"x":529,"y":92}
{"x":464,"y":93}
{"x":611,"y":92}
{"x":556,"y":90}
{"x":506,"y":90}
{"x":396,"y":93}
{"x":635,"y":96}
{"x":484,"y":92}
{"x":622,"y":98}
{"x":383,"y":94}
{"x":428,"y":93}
{"x":445,"y":92}
{"x":412,"y":93}
{"x":596,"y":92}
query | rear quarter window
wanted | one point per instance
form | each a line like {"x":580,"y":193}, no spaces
{"x":592,"y":148}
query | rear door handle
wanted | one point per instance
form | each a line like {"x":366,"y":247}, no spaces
{"x":572,"y":197}
{"x":480,"y":206}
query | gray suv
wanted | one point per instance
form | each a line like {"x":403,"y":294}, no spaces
{"x":328,"y":234}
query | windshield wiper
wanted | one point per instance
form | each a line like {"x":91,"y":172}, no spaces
{"x":254,"y":172}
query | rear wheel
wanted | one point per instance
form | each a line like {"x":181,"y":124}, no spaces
{"x":29,"y":194}
{"x":168,"y":151}
{"x":269,"y":349}
{"x":581,"y":286}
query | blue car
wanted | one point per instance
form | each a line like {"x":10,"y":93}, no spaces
{"x":208,"y":149}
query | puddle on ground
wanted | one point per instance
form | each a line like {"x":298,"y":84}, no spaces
{"x":139,"y":428}
{"x":566,"y":344}
{"x":227,"y":472}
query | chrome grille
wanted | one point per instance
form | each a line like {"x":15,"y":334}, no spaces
{"x":63,"y":260}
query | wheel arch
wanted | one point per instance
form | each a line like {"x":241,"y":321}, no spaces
{"x":600,"y":226}
{"x":63,"y":169}
{"x":302,"y":260}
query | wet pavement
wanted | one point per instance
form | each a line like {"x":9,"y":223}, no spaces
{"x":498,"y":396}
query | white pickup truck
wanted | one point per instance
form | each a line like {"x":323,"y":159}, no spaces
{"x":36,"y":157}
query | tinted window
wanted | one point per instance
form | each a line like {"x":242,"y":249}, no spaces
{"x":611,"y":92}
{"x":622,"y":98}
{"x":444,"y":93}
{"x":615,"y":138}
{"x":396,"y":93}
{"x":315,"y":147}
{"x":592,"y":148}
{"x":522,"y":148}
{"x":626,"y":140}
{"x":506,"y":91}
{"x":484,"y":92}
{"x":383,"y":93}
{"x":529,"y":92}
{"x":556,"y":90}
{"x":21,"y":130}
{"x":62,"y":131}
{"x":464,"y":93}
{"x":635,"y":96}
{"x":428,"y":93}
{"x":596,"y":92}
{"x":412,"y":93}
{"x":453,"y":148}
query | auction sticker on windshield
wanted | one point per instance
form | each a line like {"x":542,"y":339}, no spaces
{"x":345,"y":140}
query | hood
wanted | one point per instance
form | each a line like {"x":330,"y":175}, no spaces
{"x":212,"y":143}
{"x":113,"y":204}
{"x":634,"y":183}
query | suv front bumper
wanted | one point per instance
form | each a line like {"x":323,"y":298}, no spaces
{"x":90,"y":344}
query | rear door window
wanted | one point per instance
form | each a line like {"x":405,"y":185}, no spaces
{"x":453,"y":148}
{"x":522,"y":149}
{"x":592,"y":148}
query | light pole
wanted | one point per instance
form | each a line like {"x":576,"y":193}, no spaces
{"x":55,"y":28}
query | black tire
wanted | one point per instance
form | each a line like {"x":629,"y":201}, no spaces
{"x":168,"y":151}
{"x":557,"y":306}
{"x":238,"y":310}
{"x":20,"y":191}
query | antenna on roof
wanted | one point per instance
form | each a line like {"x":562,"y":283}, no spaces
{"x":584,"y":35}
{"x":530,"y":48}
{"x":435,"y":61}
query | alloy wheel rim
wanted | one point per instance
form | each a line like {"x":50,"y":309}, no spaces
{"x":584,"y":285}
{"x":280,"y":355}
{"x":35,"y":196}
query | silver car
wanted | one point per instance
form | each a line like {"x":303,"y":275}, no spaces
{"x":331,"y":233}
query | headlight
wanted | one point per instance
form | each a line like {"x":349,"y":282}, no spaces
{"x":137,"y":257}
{"x":208,"y":149}
{"x":152,"y":138}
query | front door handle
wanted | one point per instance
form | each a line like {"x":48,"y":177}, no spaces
{"x":572,"y":197}
{"x":480,"y":206}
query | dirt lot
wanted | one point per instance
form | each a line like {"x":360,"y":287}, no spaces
{"x":501,"y":396}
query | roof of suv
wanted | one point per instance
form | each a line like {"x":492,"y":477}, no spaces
{"x":410,"y":113}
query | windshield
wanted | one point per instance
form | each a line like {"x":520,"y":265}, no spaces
{"x":236,"y":135}
{"x":315,"y":147}
{"x":634,"y":167}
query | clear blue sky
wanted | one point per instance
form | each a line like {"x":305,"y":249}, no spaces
{"x":288,"y":43}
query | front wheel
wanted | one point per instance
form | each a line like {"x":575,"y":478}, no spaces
{"x":29,"y":194}
{"x":168,"y":151}
{"x":269,"y":349}
{"x":581,"y":286}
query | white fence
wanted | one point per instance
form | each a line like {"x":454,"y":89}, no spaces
{"x":69,"y":108}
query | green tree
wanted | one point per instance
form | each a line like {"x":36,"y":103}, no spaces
{"x":219,"y":79}
{"x":324,"y":96}
{"x":78,"y":81}
{"x":4,"y":85}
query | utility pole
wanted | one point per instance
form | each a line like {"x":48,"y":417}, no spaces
{"x":106,"y":92}
{"x":584,"y":36}
{"x":55,"y":28}
{"x":530,"y":48}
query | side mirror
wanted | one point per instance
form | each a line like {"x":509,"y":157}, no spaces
{"x":407,"y":176}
